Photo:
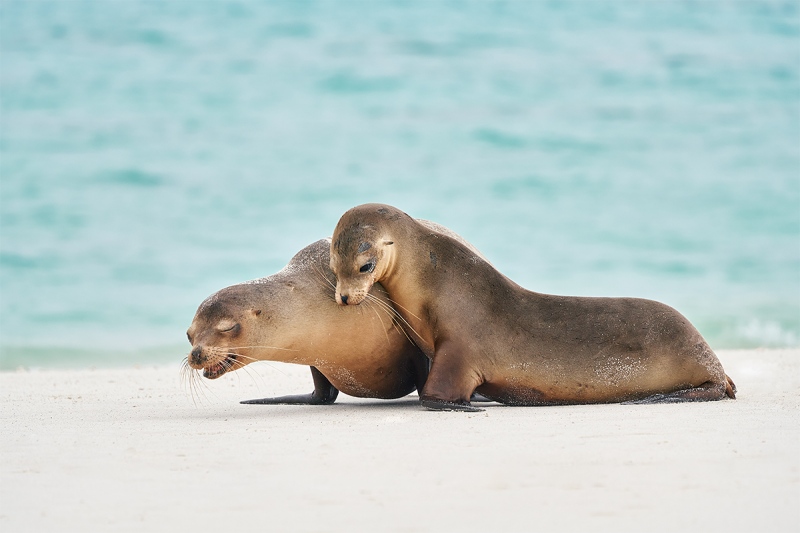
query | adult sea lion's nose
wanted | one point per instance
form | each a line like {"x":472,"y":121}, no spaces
{"x":197,"y":353}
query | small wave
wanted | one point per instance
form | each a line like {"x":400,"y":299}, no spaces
{"x":500,"y":139}
{"x":20,"y":261}
{"x":346,"y":82}
{"x":767,"y":334}
{"x":66,"y":357}
{"x":132,"y":177}
{"x":290,"y":31}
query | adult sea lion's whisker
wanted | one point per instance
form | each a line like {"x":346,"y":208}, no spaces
{"x":327,"y":282}
{"x":240,"y":357}
{"x":183,"y":375}
{"x":182,"y":372}
{"x":252,"y":375}
{"x":188,"y":378}
{"x":273,"y":367}
{"x":197,"y":386}
{"x":206,"y":388}
{"x":192,"y":384}
{"x":254,"y":360}
{"x":229,"y":348}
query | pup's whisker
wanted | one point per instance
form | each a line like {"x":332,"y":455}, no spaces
{"x":374,"y":310}
{"x":397,"y":317}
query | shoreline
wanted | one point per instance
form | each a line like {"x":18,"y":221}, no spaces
{"x":129,"y":448}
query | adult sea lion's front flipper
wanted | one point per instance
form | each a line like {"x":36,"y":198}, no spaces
{"x":324,"y":394}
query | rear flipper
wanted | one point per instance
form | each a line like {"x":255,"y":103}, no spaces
{"x":707,"y":392}
{"x":730,"y":387}
{"x":324,"y":394}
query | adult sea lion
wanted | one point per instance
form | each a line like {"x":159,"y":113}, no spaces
{"x":485,"y":333}
{"x":292,"y":317}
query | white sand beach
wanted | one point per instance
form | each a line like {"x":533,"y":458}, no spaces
{"x":129,"y":450}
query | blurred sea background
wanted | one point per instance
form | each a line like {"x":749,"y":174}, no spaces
{"x":152,"y":153}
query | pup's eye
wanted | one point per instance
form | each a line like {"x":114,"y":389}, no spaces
{"x":369,"y":267}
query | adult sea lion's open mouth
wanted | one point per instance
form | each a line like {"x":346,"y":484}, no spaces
{"x":216,"y":370}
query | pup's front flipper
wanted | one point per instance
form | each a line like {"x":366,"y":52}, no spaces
{"x":442,"y":405}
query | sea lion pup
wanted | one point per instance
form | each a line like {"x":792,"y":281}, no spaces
{"x":484,"y":332}
{"x":292,"y":317}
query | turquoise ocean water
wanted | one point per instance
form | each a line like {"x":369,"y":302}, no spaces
{"x":154,"y":152}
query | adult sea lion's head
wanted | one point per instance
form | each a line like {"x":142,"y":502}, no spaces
{"x":232,"y":326}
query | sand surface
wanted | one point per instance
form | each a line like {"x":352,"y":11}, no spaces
{"x":130,"y":450}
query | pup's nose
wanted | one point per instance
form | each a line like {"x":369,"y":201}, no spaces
{"x":344,"y":299}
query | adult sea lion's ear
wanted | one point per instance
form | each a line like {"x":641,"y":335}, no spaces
{"x":256,"y":312}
